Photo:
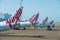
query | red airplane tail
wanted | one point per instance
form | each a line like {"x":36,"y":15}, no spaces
{"x":45,"y":21}
{"x":34,"y":18}
{"x":15,"y":18}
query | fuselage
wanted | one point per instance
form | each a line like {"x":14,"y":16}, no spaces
{"x":41,"y":25}
{"x":22,"y":25}
{"x":4,"y":26}
{"x":25,"y":24}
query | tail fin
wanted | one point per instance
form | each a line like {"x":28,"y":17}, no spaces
{"x":51,"y":22}
{"x":34,"y":18}
{"x":45,"y":21}
{"x":15,"y":18}
{"x":31,"y":18}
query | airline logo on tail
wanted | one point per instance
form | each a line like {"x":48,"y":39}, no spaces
{"x":34,"y":18}
{"x":45,"y":21}
{"x":15,"y":18}
{"x":31,"y":18}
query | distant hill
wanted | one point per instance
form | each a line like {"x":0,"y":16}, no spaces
{"x":4,"y":16}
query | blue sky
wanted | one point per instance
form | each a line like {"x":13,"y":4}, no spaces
{"x":50,"y":8}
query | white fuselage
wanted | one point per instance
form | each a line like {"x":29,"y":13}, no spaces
{"x":25,"y":24}
{"x":22,"y":24}
{"x":4,"y":26}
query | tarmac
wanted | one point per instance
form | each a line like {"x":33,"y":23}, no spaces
{"x":30,"y":34}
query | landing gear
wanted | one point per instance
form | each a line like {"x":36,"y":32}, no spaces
{"x":49,"y":29}
{"x":35,"y":27}
{"x":53,"y":26}
{"x":24,"y":28}
{"x":16,"y":28}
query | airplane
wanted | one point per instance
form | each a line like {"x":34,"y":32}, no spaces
{"x":12,"y":20}
{"x":52,"y":24}
{"x":27,"y":23}
{"x":4,"y":17}
{"x":46,"y":24}
{"x":42,"y":24}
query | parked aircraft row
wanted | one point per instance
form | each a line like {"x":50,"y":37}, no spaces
{"x":34,"y":23}
{"x":14,"y":23}
{"x":46,"y":24}
{"x":27,"y":23}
